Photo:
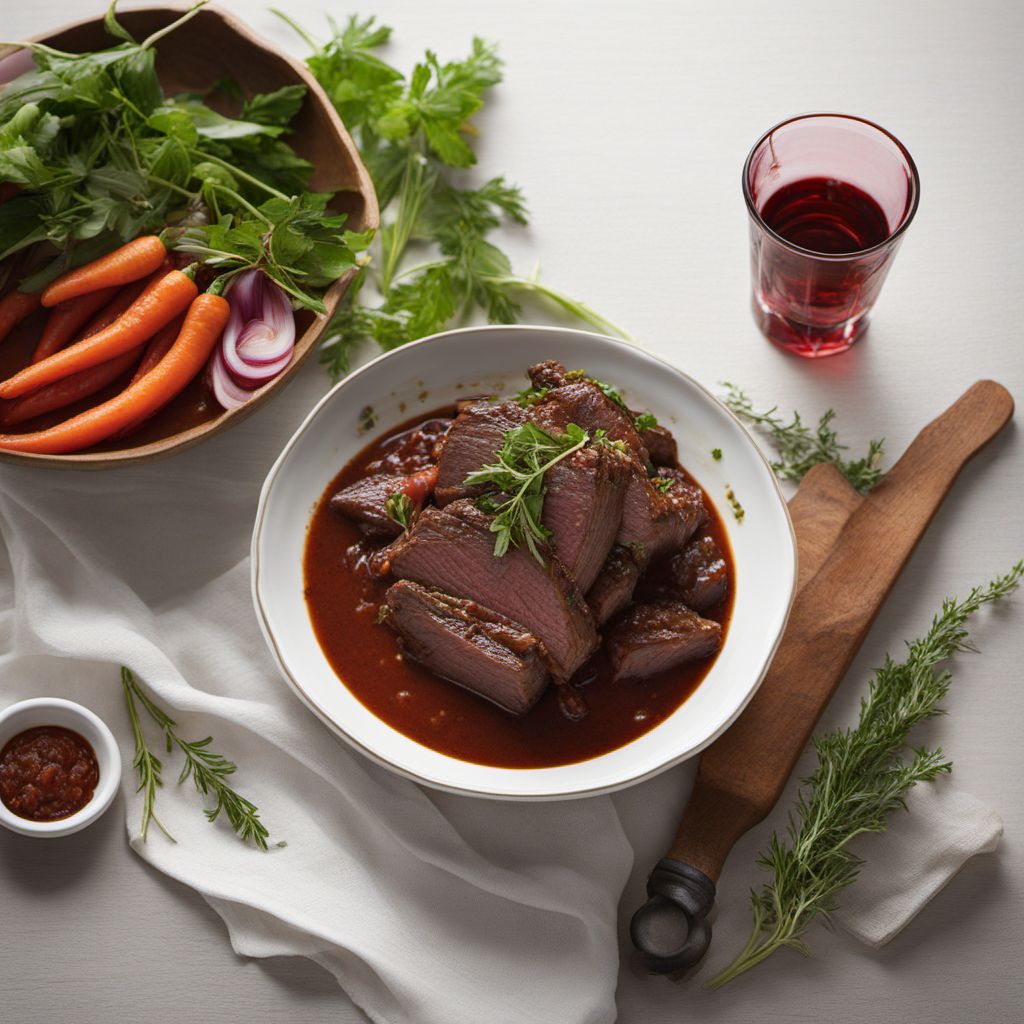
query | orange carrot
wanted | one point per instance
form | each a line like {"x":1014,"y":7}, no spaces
{"x":159,"y":345}
{"x":71,"y":389}
{"x":122,"y":301}
{"x":207,"y":317}
{"x":15,"y":306}
{"x":135,"y":260}
{"x":66,"y":319}
{"x":159,"y":304}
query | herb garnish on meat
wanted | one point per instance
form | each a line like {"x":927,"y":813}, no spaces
{"x":399,"y":509}
{"x":517,"y":478}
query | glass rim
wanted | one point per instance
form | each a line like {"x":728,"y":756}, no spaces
{"x":915,"y":180}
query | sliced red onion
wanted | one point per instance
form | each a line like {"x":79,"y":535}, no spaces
{"x":258,"y":341}
{"x":225,"y":390}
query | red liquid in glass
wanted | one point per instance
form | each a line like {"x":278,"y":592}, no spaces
{"x":810,"y":306}
{"x":826,"y":216}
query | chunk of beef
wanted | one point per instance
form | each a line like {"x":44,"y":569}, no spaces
{"x":470,"y":645}
{"x":410,"y":451}
{"x":472,"y":442}
{"x":549,"y":374}
{"x":452,"y":549}
{"x":583,"y":509}
{"x":661,"y":445}
{"x":701,"y":573}
{"x":365,"y":501}
{"x":614,"y":586}
{"x":650,"y":638}
{"x":656,"y":523}
{"x":582,"y":402}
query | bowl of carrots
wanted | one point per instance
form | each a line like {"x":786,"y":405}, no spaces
{"x":171,"y":251}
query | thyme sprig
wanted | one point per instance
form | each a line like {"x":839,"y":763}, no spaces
{"x":862,"y":777}
{"x":517,"y":478}
{"x":207,"y":769}
{"x":801,"y":447}
{"x":399,"y":509}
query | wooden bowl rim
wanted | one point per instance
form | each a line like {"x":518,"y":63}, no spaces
{"x":305,"y":345}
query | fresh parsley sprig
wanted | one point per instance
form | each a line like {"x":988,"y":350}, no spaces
{"x":862,"y":777}
{"x":517,"y":483}
{"x":415,"y":134}
{"x":398,"y":507}
{"x":800,"y":447}
{"x":207,"y":769}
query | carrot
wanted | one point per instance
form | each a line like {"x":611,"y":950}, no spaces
{"x":124,"y":298}
{"x":135,"y":260}
{"x":159,"y":345}
{"x":15,"y":306}
{"x":207,"y":317}
{"x":160,"y":303}
{"x":66,"y":319}
{"x":71,"y":389}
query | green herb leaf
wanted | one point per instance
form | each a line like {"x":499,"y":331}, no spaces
{"x":800,"y":447}
{"x":399,"y":509}
{"x":862,"y":778}
{"x":517,"y":478}
{"x":645,"y":421}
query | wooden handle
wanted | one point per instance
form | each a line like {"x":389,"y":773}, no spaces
{"x":742,"y":774}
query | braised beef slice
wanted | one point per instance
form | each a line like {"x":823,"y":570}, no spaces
{"x":661,"y":445}
{"x":452,"y":549}
{"x":549,"y":374}
{"x":614,"y":586}
{"x":470,"y":645}
{"x":586,"y":405}
{"x":650,"y":638}
{"x":701,"y":574}
{"x":364,"y":502}
{"x":473,"y":441}
{"x":656,"y":523}
{"x":583,"y":509}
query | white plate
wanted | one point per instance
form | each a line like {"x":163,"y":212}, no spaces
{"x":483,"y":360}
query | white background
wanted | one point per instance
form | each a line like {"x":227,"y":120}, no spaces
{"x":627,"y":125}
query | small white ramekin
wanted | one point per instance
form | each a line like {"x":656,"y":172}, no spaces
{"x":39,"y":711}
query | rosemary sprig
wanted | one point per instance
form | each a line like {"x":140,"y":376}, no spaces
{"x":146,"y":764}
{"x":207,"y":768}
{"x":861,"y":778}
{"x":517,"y":477}
{"x":800,"y":447}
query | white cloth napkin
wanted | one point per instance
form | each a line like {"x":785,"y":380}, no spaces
{"x":427,"y":908}
{"x":905,"y":866}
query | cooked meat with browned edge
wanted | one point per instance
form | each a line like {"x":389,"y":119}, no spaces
{"x":701,"y":573}
{"x":472,"y":443}
{"x":614,"y":586}
{"x":661,"y":445}
{"x":581,"y":402}
{"x":469,"y":645}
{"x":365,"y":501}
{"x":650,"y":638}
{"x":583,"y":509}
{"x":452,"y":549}
{"x":654,"y":523}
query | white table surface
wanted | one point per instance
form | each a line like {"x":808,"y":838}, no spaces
{"x":627,"y":125}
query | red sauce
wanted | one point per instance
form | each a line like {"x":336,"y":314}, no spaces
{"x":343,"y":602}
{"x":47,"y":773}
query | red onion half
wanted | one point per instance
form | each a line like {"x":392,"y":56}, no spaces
{"x":258,"y":341}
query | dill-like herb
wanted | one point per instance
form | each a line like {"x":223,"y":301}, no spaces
{"x":862,"y":777}
{"x":800,"y":447}
{"x":716,"y":454}
{"x":526,"y":454}
{"x":207,"y":768}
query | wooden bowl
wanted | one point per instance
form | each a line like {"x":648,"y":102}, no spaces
{"x":213,"y":46}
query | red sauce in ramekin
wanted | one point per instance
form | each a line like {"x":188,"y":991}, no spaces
{"x":47,"y":773}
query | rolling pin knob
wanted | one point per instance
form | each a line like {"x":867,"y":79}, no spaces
{"x":671,"y":928}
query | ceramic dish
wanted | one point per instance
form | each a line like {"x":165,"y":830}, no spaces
{"x":483,"y":360}
{"x":213,"y":46}
{"x":39,"y":711}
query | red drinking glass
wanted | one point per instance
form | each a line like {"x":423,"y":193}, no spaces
{"x":830,"y":197}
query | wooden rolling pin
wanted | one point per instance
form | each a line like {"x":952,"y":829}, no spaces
{"x":851,"y":550}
